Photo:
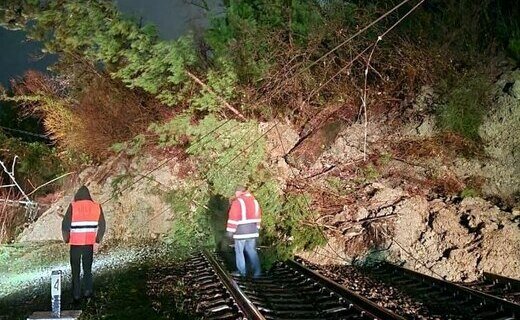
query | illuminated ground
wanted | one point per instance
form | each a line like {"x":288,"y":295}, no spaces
{"x":129,"y":282}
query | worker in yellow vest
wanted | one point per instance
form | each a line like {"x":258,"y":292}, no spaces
{"x":83,"y":228}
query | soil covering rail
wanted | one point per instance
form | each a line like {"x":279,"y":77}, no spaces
{"x":500,"y":286}
{"x":446,"y":299}
{"x":288,"y":290}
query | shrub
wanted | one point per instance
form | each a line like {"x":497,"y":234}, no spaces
{"x":466,"y":99}
{"x":469,"y":193}
{"x":103,"y":113}
{"x":227,"y":157}
{"x":289,"y":228}
{"x":37,"y":163}
{"x":191,"y":227}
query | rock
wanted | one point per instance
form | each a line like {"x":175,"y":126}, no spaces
{"x":385,"y":197}
{"x":306,"y":153}
{"x":455,"y":241}
{"x":385,"y":212}
{"x":515,"y":89}
{"x":427,"y":127}
{"x":280,"y":140}
{"x":138,"y":211}
{"x":362,"y":213}
{"x":500,"y":132}
{"x":411,"y":223}
{"x":500,"y":252}
{"x":331,"y":253}
{"x":47,"y":227}
{"x":354,"y":231}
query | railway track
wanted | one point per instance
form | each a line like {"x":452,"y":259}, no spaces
{"x":444,"y":299}
{"x":503,"y":287}
{"x":290,"y":290}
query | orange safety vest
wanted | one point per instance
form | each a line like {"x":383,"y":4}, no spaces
{"x":244,"y":217}
{"x":85,"y":218}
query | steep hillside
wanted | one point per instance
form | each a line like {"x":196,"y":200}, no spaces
{"x":366,"y":129}
{"x":423,"y":208}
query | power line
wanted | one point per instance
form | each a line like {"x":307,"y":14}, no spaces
{"x":164,"y":162}
{"x":356,"y":34}
{"x":43,"y":136}
{"x":250,"y":145}
{"x":379,"y":38}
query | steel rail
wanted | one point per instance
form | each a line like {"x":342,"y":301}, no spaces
{"x":358,"y":301}
{"x":245,"y":305}
{"x":510,"y":282}
{"x":506,"y":305}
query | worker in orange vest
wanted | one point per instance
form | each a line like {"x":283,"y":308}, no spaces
{"x":243,"y":225}
{"x":83,"y":228}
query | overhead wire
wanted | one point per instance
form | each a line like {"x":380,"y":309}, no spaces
{"x":221,"y":125}
{"x":164,"y":162}
{"x":356,"y":34}
{"x":372,"y":46}
{"x":312,"y":93}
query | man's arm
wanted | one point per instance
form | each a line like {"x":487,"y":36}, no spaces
{"x":101,"y":227}
{"x":65,"y":224}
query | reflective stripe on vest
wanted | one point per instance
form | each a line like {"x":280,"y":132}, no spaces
{"x":247,"y":226}
{"x":85,"y":217}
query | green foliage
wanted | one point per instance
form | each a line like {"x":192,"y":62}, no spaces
{"x":132,"y":147}
{"x":131,"y":53}
{"x":244,"y":36}
{"x":230,"y":155}
{"x":508,"y":27}
{"x":170,"y":133}
{"x":514,"y":47}
{"x":338,"y":186}
{"x":469,"y":193}
{"x":160,"y":68}
{"x":288,"y":228}
{"x":465,"y":106}
{"x":226,"y":156}
{"x":37,"y":163}
{"x":119,"y":182}
{"x":371,"y":173}
{"x":222,"y":82}
{"x":191,"y":227}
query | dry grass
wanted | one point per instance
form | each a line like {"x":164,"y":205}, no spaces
{"x":444,"y":146}
{"x":101,"y":114}
{"x":11,"y":217}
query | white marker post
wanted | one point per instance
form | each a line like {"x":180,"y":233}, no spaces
{"x":56,"y":293}
{"x":56,"y":303}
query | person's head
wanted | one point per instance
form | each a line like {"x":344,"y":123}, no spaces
{"x":239,"y":190}
{"x":82,"y":194}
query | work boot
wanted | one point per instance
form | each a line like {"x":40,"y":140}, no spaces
{"x":236,"y":274}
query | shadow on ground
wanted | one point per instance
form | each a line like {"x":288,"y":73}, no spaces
{"x":140,"y":290}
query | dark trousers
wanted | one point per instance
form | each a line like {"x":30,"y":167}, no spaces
{"x":85,"y":254}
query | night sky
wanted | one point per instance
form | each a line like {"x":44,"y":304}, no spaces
{"x":18,"y":55}
{"x":172,"y":18}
